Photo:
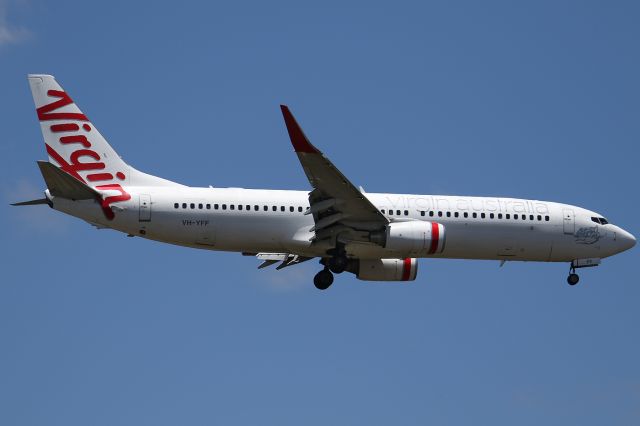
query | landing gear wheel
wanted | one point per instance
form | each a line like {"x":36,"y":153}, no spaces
{"x":323,"y":279}
{"x":573,"y":279}
{"x":338,"y":264}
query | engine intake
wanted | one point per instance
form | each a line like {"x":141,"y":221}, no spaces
{"x":387,"y":269}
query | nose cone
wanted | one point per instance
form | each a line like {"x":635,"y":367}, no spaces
{"x":625,"y":240}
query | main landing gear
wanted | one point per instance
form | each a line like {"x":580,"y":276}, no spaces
{"x":323,"y":279}
{"x":336,"y":264}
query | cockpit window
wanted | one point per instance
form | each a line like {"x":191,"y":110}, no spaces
{"x":603,"y":221}
{"x":595,"y":219}
{"x":600,"y":220}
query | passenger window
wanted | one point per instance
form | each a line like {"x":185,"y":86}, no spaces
{"x":291,"y":209}
{"x":466,"y":214}
{"x":422,"y":213}
{"x":215,"y":206}
{"x":247,"y":207}
{"x":475,"y":215}
{"x":224,"y":207}
{"x":482,"y":215}
{"x":515,"y":216}
{"x":200,"y":206}
{"x":508,"y":216}
{"x":406,"y":212}
{"x":239,"y":206}
{"x":274,"y":208}
{"x":456,"y":214}
{"x":530,"y":217}
{"x":281,"y":208}
{"x":397,"y":212}
{"x":431,"y":213}
{"x":176,"y":205}
{"x":448,"y":214}
{"x":439,"y":214}
{"x":208,"y":206}
{"x":382,"y":211}
{"x":192,"y":205}
{"x":184,"y":205}
{"x":524,"y":217}
{"x":300,"y":209}
{"x":491,"y":215}
{"x":266,"y":208}
{"x":499,"y":215}
{"x":539,"y":217}
{"x":232,"y":206}
{"x":256,"y":207}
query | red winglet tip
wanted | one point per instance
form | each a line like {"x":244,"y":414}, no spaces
{"x":298,"y":139}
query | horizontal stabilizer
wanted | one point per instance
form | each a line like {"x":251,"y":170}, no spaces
{"x":62,"y":184}
{"x":32,"y":202}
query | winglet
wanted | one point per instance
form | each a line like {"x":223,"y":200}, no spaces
{"x":298,"y":139}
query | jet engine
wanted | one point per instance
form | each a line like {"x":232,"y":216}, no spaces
{"x":386,"y":269}
{"x":415,"y":238}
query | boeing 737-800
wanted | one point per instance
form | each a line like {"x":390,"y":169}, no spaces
{"x":377,"y":237}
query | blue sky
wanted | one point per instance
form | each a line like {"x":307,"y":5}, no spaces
{"x":533,"y":100}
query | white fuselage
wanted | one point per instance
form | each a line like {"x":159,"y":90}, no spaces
{"x":377,"y":237}
{"x":273,"y":221}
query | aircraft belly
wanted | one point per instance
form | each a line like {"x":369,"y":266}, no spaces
{"x":497,"y":242}
{"x":87,"y":210}
{"x":265,"y":234}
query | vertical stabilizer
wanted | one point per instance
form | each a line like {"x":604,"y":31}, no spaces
{"x":75,"y":145}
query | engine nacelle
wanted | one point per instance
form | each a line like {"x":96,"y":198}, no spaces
{"x":387,"y":269}
{"x":415,"y":238}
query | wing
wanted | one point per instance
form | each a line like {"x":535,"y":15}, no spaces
{"x":338,"y":207}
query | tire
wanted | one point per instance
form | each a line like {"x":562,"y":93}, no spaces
{"x":323,"y":279}
{"x":573,"y":279}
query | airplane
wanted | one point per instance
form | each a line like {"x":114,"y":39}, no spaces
{"x":377,"y":237}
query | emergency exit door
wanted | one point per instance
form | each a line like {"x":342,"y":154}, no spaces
{"x":145,"y":208}
{"x":568,"y":221}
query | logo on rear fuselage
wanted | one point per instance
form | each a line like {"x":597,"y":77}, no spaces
{"x":79,"y":135}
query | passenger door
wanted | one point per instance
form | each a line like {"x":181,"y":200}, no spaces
{"x":568,"y":221}
{"x":145,"y":208}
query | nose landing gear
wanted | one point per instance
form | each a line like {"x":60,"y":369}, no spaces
{"x":573,"y":278}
